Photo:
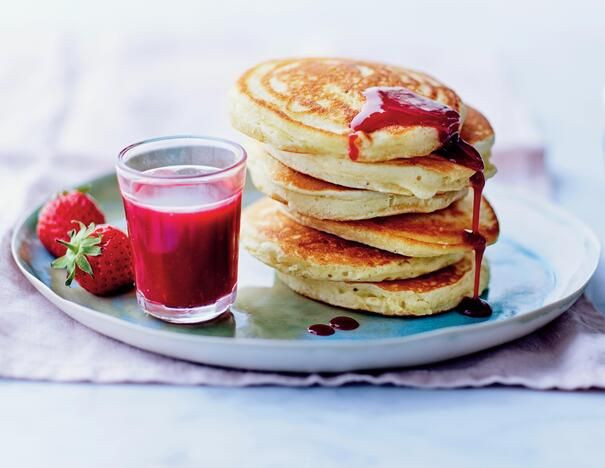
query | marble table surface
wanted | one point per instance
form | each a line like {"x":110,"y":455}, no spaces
{"x":154,"y":426}
{"x":542,"y":52}
{"x":76,"y":425}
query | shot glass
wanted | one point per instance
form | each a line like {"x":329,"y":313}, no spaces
{"x":182,"y":197}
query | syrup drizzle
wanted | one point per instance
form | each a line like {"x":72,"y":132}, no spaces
{"x":320,"y":329}
{"x":460,"y":152}
{"x":385,"y":106}
{"x":344,"y":323}
{"x":337,"y":323}
{"x":353,"y":148}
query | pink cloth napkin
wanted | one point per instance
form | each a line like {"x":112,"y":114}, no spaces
{"x":81,"y":103}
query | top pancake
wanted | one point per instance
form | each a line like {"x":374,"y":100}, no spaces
{"x":306,"y":106}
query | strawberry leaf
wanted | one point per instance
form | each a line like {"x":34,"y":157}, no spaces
{"x":71,"y":270}
{"x":73,"y":248}
{"x":84,"y":264}
{"x":61,"y":262}
{"x":93,"y":251}
{"x":81,"y":244}
{"x":90,"y":242}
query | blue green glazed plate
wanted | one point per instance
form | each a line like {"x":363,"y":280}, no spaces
{"x":540,"y":266}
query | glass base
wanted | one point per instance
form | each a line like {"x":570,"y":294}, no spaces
{"x":187,"y":315}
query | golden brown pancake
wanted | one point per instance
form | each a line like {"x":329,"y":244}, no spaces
{"x":324,"y":200}
{"x":423,"y":177}
{"x":290,"y":247}
{"x":414,"y":235}
{"x":478,"y":132}
{"x":425,"y":295}
{"x":305,"y":105}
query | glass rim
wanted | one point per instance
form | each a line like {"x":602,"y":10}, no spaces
{"x":237,"y":149}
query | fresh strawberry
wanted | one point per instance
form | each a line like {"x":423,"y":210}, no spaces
{"x":61,"y":214}
{"x":99,"y":258}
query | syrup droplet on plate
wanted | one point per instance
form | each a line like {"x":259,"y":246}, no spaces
{"x":344,"y":323}
{"x":474,"y":307}
{"x":321,"y":329}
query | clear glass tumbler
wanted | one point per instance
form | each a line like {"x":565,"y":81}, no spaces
{"x":182,"y":197}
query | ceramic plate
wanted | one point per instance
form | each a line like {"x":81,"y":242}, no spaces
{"x":540,"y":266}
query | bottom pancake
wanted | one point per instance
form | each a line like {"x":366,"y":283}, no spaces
{"x":426,"y":295}
{"x":282,"y":243}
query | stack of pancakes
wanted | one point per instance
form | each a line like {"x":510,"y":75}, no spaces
{"x":384,"y":233}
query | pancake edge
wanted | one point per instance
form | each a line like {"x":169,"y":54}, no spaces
{"x":370,"y":297}
{"x":271,"y":253}
{"x":345,"y":204}
{"x":407,"y":246}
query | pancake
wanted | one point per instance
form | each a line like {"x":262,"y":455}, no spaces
{"x":294,"y":249}
{"x":324,"y":200}
{"x":422,"y":177}
{"x":306,"y":105}
{"x":414,"y":235}
{"x":426,"y":295}
{"x":478,"y":132}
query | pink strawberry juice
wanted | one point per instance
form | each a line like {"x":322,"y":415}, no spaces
{"x":184,"y":240}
